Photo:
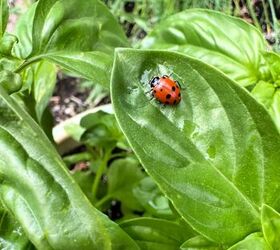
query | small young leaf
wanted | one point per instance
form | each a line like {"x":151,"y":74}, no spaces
{"x":6,"y":44}
{"x":273,"y":62}
{"x":254,"y":241}
{"x":44,"y":80}
{"x":271,"y":226}
{"x":228,"y":43}
{"x":269,"y":95}
{"x":152,"y":199}
{"x":200,"y":243}
{"x":123,"y":175}
{"x":10,"y":81}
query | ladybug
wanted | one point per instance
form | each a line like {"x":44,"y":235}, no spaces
{"x":166,"y":90}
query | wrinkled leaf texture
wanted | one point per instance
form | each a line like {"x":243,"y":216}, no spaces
{"x":215,"y":155}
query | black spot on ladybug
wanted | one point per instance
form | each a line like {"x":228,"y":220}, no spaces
{"x":160,"y":89}
{"x":179,"y":94}
{"x":168,"y":96}
{"x":166,"y":102}
{"x":174,"y":102}
{"x":154,"y":91}
{"x":177,"y":86}
{"x":173,"y":88}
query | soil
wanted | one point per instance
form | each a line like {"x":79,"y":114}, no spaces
{"x":68,"y":98}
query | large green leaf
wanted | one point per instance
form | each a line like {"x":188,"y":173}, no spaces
{"x":271,"y":226}
{"x":156,"y":234}
{"x":78,"y":35}
{"x":215,"y":155}
{"x":226,"y":42}
{"x":37,"y":188}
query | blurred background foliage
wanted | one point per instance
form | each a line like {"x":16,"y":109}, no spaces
{"x":138,"y":17}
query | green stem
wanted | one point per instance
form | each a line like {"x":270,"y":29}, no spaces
{"x":104,"y":199}
{"x":26,"y":63}
{"x":253,"y":14}
{"x":2,"y":218}
{"x":266,"y":17}
{"x":275,"y":24}
{"x":237,"y":9}
{"x":99,"y":173}
{"x":72,"y":159}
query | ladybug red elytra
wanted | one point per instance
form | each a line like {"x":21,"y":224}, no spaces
{"x":166,"y":90}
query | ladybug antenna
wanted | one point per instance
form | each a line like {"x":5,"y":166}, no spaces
{"x":170,"y":74}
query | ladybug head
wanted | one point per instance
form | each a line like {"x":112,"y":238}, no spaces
{"x":154,"y":81}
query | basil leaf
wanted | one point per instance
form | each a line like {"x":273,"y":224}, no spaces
{"x":215,"y":155}
{"x":38,"y":189}
{"x":253,"y":241}
{"x":156,"y":234}
{"x":228,"y":43}
{"x":271,"y":226}
{"x":78,"y":35}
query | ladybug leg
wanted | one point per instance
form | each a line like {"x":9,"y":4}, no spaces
{"x":149,"y":91}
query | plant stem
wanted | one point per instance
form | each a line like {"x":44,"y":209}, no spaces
{"x":72,"y":159}
{"x":266,"y":16}
{"x":237,"y":8}
{"x":26,"y":63}
{"x":99,"y":173}
{"x":253,"y":14}
{"x":104,"y":199}
{"x":275,"y":24}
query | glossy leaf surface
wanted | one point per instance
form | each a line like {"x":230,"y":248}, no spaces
{"x":11,"y":233}
{"x":199,"y":243}
{"x":152,"y":199}
{"x":78,"y":35}
{"x":228,"y":43}
{"x":254,"y":241}
{"x":38,"y":189}
{"x":271,"y":226}
{"x":215,"y":155}
{"x":42,"y":85}
{"x":156,"y":234}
